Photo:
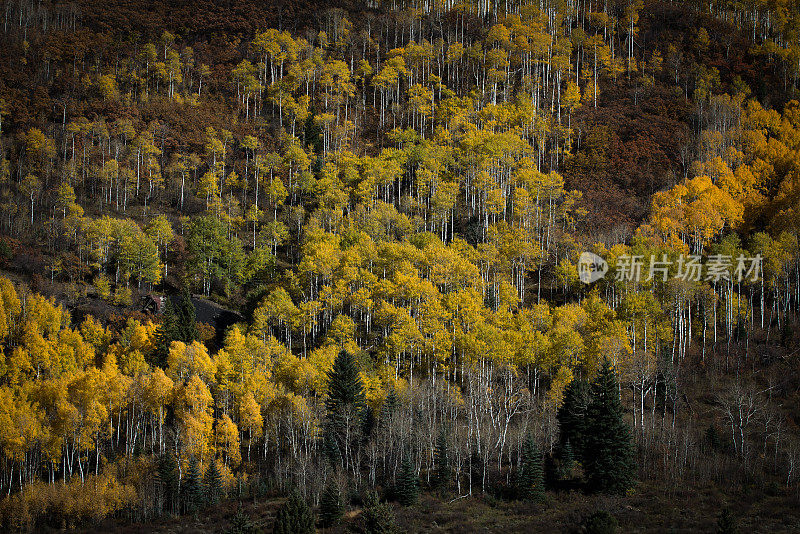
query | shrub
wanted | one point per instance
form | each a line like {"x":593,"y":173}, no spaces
{"x":122,"y":296}
{"x":600,"y":522}
{"x":103,"y":286}
{"x":66,"y":505}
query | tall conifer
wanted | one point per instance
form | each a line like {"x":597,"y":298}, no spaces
{"x":608,"y":450}
{"x":572,"y":414}
{"x":330,"y":505}
{"x":441,"y":460}
{"x":345,"y":408}
{"x":407,"y":487}
{"x":192,"y":488}
{"x":530,"y":477}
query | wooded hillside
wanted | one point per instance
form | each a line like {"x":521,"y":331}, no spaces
{"x":393,"y":202}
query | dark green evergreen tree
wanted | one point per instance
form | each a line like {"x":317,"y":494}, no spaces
{"x":608,"y":450}
{"x":178,"y":323}
{"x":388,"y":409}
{"x":192,"y":488}
{"x":407,"y":486}
{"x":330,"y":445}
{"x":212,"y":483}
{"x":441,"y":458}
{"x":242,"y":524}
{"x":715,"y":440}
{"x":330,"y":505}
{"x":530,"y":476}
{"x":786,"y":332}
{"x":294,"y":516}
{"x":345,"y":409}
{"x":186,"y":319}
{"x":169,"y":480}
{"x":377,"y":517}
{"x":165,"y":335}
{"x":567,"y":459}
{"x":572,"y":415}
{"x":312,"y":133}
{"x":726,"y":524}
{"x":600,"y":522}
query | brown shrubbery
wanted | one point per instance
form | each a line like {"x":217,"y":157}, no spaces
{"x":67,"y":505}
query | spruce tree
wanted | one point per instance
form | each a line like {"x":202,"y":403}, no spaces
{"x":330,"y":444}
{"x":186,"y":319}
{"x":715,"y":440}
{"x":726,"y":524}
{"x":608,"y":450}
{"x":165,"y":335}
{"x":169,"y":479}
{"x":178,"y":323}
{"x":567,"y":458}
{"x":345,"y":409}
{"x":294,"y":516}
{"x":572,"y":415}
{"x":242,"y":524}
{"x":312,"y":133}
{"x":212,"y":483}
{"x":407,"y":486}
{"x":441,"y":460}
{"x":192,"y":488}
{"x":600,"y":522}
{"x":530,"y":476}
{"x":330,"y":505}
{"x":377,"y":517}
{"x":388,"y":408}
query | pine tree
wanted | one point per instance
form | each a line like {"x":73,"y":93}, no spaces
{"x":345,"y":407}
{"x":165,"y":335}
{"x":388,"y":409}
{"x":212,"y":483}
{"x":192,"y":488}
{"x":600,"y":522}
{"x":572,"y":414}
{"x":714,"y":439}
{"x":312,"y":134}
{"x":294,"y":516}
{"x":608,"y":450}
{"x":186,"y":319}
{"x":530,"y":477}
{"x":407,"y":486}
{"x":377,"y":517}
{"x":567,"y":458}
{"x":242,"y":524}
{"x":786,"y":333}
{"x":726,"y":524}
{"x":441,"y":460}
{"x":169,"y":479}
{"x":330,"y":505}
{"x":344,"y":386}
{"x":178,"y":323}
{"x":330,"y":444}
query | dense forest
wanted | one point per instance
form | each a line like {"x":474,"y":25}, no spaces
{"x":393,"y":203}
